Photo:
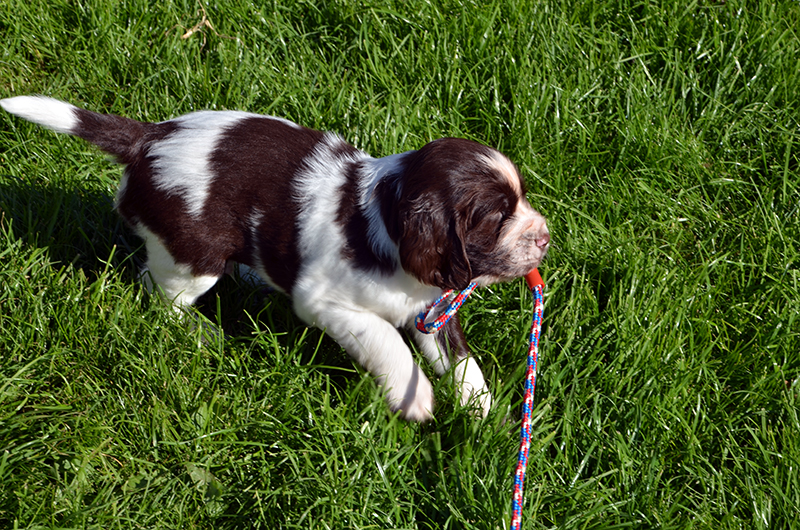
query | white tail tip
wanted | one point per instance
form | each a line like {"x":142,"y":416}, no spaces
{"x":48,"y":112}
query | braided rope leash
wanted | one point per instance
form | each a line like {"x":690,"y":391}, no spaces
{"x":536,"y":286}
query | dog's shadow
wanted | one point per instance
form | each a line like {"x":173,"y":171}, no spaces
{"x":79,"y":228}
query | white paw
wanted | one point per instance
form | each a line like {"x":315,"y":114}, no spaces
{"x":413,"y":398}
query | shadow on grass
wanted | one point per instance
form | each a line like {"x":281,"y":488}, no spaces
{"x":77,"y":226}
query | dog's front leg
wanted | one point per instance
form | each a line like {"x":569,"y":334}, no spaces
{"x":449,"y":347}
{"x":377,"y":346}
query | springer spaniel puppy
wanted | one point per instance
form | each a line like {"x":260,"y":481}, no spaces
{"x":360,"y":244}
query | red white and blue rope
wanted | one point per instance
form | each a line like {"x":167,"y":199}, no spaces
{"x":537,"y":288}
{"x":433,"y":327}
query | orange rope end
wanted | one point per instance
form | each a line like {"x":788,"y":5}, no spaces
{"x":534,"y":278}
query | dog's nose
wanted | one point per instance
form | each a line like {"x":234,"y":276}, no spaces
{"x":543,"y":240}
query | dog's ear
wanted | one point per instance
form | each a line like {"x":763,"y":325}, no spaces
{"x":447,"y":195}
{"x":432,"y":246}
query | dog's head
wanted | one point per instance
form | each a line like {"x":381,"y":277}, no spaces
{"x":463,"y":216}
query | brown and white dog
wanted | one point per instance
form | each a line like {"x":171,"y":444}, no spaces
{"x":360,"y":244}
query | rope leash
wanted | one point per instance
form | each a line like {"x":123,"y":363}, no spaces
{"x":536,"y":286}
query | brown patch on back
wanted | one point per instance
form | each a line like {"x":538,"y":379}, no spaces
{"x":254,"y":166}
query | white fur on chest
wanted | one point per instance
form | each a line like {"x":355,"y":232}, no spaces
{"x":326,"y":279}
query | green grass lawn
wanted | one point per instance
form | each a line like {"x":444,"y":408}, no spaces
{"x":661,"y":139}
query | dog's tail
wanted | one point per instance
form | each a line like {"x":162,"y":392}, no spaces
{"x":121,"y":137}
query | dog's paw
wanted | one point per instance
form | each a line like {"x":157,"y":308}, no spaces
{"x":414,"y":400}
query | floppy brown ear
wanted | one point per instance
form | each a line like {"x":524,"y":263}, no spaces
{"x":432,"y":248}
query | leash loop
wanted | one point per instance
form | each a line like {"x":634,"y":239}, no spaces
{"x":436,"y":325}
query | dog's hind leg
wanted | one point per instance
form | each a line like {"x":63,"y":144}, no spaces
{"x":173,"y":281}
{"x":176,"y":284}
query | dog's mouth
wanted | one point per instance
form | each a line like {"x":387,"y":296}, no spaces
{"x":509,"y":274}
{"x":525,"y":254}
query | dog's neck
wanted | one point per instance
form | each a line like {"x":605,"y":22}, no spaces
{"x":380,"y":188}
{"x":385,"y":171}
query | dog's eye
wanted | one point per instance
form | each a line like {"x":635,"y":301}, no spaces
{"x":490,"y":213}
{"x":485,"y":218}
{"x":505,"y":213}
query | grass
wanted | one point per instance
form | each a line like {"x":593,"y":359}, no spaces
{"x":662,"y":141}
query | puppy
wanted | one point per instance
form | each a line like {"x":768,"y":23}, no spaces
{"x":360,"y":244}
